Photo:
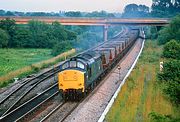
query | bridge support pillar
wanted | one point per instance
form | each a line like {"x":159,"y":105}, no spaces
{"x":158,"y":28}
{"x":105,"y":32}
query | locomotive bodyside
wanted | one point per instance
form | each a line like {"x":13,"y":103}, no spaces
{"x":78,"y":74}
{"x":75,"y":79}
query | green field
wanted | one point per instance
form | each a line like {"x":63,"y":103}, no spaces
{"x":141,"y":94}
{"x":13,"y":59}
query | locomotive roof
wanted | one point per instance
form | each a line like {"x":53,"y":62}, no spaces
{"x":88,"y":57}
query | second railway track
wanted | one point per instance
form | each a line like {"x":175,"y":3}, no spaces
{"x":12,"y":100}
{"x":17,"y":112}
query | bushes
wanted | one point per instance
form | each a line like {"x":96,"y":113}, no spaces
{"x":172,"y":31}
{"x":162,"y":118}
{"x":3,"y":38}
{"x":172,"y":50}
{"x":170,"y":76}
{"x":35,"y":34}
{"x":171,"y":71}
{"x":171,"y":79}
{"x":61,"y":47}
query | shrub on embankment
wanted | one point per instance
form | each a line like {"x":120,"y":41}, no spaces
{"x":172,"y":50}
{"x":141,"y":94}
{"x":169,"y":77}
{"x":172,"y":31}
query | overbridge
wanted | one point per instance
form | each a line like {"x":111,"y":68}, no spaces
{"x":94,"y":21}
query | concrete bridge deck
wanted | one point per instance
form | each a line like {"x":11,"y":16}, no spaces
{"x":93,"y":21}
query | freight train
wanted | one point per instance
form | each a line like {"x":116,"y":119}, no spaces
{"x":81,"y":73}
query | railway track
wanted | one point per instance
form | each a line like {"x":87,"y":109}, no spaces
{"x":62,"y":117}
{"x":12,"y":100}
{"x":16,"y":111}
{"x":24,"y":109}
{"x":61,"y":112}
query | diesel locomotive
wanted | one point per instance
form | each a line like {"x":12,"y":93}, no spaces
{"x":81,"y":73}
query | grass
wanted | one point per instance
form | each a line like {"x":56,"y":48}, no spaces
{"x":142,"y":94}
{"x":13,"y":59}
{"x":32,"y":65}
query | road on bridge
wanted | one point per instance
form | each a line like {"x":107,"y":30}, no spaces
{"x":92,"y":21}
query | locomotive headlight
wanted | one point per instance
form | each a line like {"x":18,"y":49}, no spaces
{"x":61,"y":84}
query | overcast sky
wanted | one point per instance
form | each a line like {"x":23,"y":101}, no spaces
{"x":68,"y":5}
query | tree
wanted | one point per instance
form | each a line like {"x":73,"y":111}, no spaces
{"x":71,"y":35}
{"x":22,"y":38}
{"x":171,"y":77}
{"x":172,"y":31}
{"x":9,"y":25}
{"x":143,"y":8}
{"x":61,"y":47}
{"x":44,"y":35}
{"x":2,"y":12}
{"x":40,"y":34}
{"x":3,"y":38}
{"x":99,"y":14}
{"x":168,"y":8}
{"x":9,"y":13}
{"x":58,"y":31}
{"x":172,"y":50}
{"x":133,"y":10}
{"x":73,"y":14}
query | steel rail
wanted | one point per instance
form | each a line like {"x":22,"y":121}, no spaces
{"x":23,"y":95}
{"x":94,"y":90}
{"x":6,"y":113}
{"x":58,"y":107}
{"x":24,"y":83}
{"x":28,"y":106}
{"x":53,"y":111}
{"x":70,"y":112}
{"x":33,"y":109}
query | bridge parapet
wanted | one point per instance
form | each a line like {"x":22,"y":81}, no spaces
{"x":93,"y":21}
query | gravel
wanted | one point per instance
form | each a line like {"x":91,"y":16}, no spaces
{"x":93,"y":106}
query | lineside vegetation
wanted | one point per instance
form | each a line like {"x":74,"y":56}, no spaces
{"x":141,"y":98}
{"x":30,"y":62}
{"x":150,"y":94}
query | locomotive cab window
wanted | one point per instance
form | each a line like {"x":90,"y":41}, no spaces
{"x":80,"y":65}
{"x":72,"y":63}
{"x":66,"y":65}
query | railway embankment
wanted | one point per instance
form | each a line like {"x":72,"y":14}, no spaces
{"x":141,"y":96}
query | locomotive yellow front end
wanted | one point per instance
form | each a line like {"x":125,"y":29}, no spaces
{"x":71,"y":81}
